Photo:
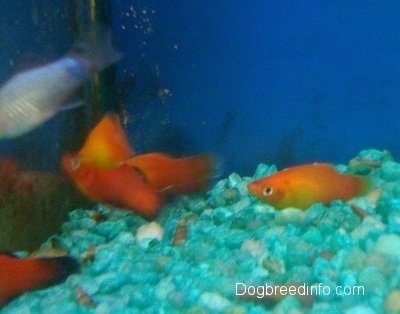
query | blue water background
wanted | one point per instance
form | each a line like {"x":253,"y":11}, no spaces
{"x":282,"y":82}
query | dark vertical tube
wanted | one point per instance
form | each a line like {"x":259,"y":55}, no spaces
{"x":99,"y":92}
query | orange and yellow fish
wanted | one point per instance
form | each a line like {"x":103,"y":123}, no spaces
{"x":304,"y":185}
{"x":174,"y":175}
{"x":120,"y":187}
{"x":18,"y":275}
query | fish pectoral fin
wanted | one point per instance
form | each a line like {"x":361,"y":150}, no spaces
{"x":166,"y":189}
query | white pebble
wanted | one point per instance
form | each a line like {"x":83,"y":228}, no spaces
{"x":254,"y":247}
{"x":125,"y":238}
{"x":388,"y":244}
{"x":164,"y":288}
{"x":290,"y":215}
{"x":148,"y":232}
{"x":214,"y":302}
{"x":243,"y":203}
{"x":369,"y":223}
{"x":234,"y":179}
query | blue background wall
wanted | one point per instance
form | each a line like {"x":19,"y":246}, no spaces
{"x":279,"y":82}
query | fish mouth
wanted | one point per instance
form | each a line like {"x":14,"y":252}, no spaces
{"x":252,"y":188}
{"x":69,"y":162}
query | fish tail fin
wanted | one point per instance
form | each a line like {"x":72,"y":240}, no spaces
{"x":218,"y":165}
{"x":63,"y":267}
{"x":20,"y":275}
{"x":95,"y":47}
{"x":51,"y":270}
{"x":365,"y":185}
{"x":202,"y":169}
{"x":204,"y":164}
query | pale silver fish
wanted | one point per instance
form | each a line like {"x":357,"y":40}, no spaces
{"x":30,"y":98}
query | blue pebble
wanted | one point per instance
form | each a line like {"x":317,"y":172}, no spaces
{"x":222,"y":215}
{"x":111,"y":282}
{"x":264,"y":170}
{"x":348,"y":278}
{"x":110,"y":229}
{"x":340,"y":240}
{"x":390,"y":171}
{"x":289,"y":304}
{"x":323,"y":270}
{"x":393,"y":222}
{"x":373,"y":281}
{"x":313,"y":236}
{"x":300,"y":274}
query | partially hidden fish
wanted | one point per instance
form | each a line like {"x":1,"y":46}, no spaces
{"x":174,"y":175}
{"x":18,"y":275}
{"x":107,"y":144}
{"x":121,"y":186}
{"x":31,"y":97}
{"x":302,"y":186}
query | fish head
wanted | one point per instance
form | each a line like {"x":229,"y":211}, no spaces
{"x":74,"y":167}
{"x":268,"y":190}
{"x":70,"y":162}
{"x":82,"y":174}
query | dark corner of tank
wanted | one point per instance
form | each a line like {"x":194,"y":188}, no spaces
{"x":35,"y":196}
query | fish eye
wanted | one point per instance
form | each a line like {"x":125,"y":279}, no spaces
{"x":75,"y":163}
{"x":267,"y":191}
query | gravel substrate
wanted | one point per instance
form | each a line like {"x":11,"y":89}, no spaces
{"x":203,"y":250}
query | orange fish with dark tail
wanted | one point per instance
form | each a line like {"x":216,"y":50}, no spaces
{"x":174,"y":175}
{"x":120,"y":187}
{"x":18,"y":275}
{"x":302,"y":186}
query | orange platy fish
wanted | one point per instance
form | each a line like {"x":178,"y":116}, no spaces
{"x":107,"y":144}
{"x":18,"y":275}
{"x":174,"y":175}
{"x":301,"y":186}
{"x":122,"y":186}
{"x":105,"y":171}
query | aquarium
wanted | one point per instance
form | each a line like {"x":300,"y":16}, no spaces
{"x":199,"y":156}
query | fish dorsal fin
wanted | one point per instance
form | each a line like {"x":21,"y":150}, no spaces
{"x":73,"y":104}
{"x":107,"y":144}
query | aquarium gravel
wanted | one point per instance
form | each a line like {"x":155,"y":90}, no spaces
{"x":224,"y":251}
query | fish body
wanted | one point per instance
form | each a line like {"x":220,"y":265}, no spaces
{"x":174,"y":175}
{"x":120,"y":187}
{"x":18,"y":275}
{"x":107,"y":144}
{"x":301,"y":186}
{"x":31,"y":97}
